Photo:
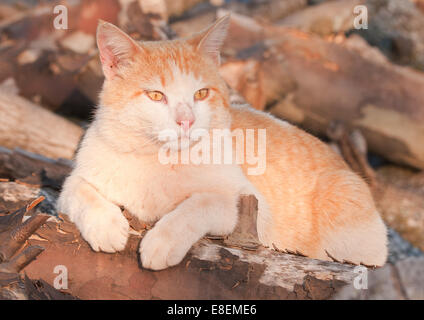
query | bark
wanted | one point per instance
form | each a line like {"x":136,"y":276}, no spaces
{"x":14,"y":234}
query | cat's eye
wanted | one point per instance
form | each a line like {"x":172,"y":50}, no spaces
{"x":201,"y":94}
{"x":155,"y":95}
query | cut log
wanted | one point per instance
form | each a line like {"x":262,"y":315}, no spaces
{"x":27,"y":167}
{"x":263,"y":10}
{"x":27,"y":125}
{"x":396,"y":27}
{"x":312,"y":82}
{"x":324,"y":19}
{"x":266,"y":10}
{"x":7,"y":11}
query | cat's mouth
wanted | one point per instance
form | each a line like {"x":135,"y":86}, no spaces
{"x":177,"y":139}
{"x":181,"y":142}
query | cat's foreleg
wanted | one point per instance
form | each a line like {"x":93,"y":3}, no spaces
{"x":203,"y":213}
{"x":100,"y":222}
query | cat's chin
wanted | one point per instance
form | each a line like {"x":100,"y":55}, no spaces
{"x":182,"y":143}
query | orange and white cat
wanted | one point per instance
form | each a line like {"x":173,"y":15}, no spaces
{"x":309,"y":200}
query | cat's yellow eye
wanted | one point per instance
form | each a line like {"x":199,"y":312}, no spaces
{"x":201,"y":94}
{"x":155,"y":95}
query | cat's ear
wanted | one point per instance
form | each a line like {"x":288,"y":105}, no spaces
{"x":209,"y":41}
{"x":116,"y":48}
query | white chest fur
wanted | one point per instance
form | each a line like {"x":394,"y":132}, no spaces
{"x":147,"y":188}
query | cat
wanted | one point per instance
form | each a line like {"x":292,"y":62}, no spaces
{"x":308,"y":198}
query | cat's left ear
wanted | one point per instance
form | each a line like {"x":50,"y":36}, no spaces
{"x":209,"y":41}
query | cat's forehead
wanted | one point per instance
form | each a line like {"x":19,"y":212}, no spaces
{"x":176,"y":80}
{"x":173,"y":63}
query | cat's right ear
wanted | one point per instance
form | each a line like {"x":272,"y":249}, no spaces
{"x":116,"y":49}
{"x":210,"y":40}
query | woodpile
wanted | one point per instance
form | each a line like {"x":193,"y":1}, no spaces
{"x":300,"y":60}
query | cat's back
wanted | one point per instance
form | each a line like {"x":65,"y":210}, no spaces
{"x":308,"y":185}
{"x":285,"y":142}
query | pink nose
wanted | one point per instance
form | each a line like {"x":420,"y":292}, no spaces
{"x":184,"y":116}
{"x":185,"y":124}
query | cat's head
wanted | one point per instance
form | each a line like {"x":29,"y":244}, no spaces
{"x":151,"y":87}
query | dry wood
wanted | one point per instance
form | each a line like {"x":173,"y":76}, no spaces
{"x":27,"y":125}
{"x":263,"y":10}
{"x":397,"y":29}
{"x":324,"y":19}
{"x":14,"y":234}
{"x":267,"y":10}
{"x":31,"y":168}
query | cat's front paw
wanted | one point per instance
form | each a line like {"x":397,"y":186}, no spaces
{"x":164,"y":246}
{"x":105,"y":229}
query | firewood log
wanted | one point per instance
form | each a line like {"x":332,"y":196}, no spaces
{"x":324,"y":19}
{"x":27,"y":125}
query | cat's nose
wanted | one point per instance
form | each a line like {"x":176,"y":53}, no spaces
{"x":184,"y":117}
{"x":185,"y":124}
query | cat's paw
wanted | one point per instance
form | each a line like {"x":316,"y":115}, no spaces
{"x":164,"y":246}
{"x":105,"y":229}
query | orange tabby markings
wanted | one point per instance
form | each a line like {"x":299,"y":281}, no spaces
{"x":309,"y":200}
